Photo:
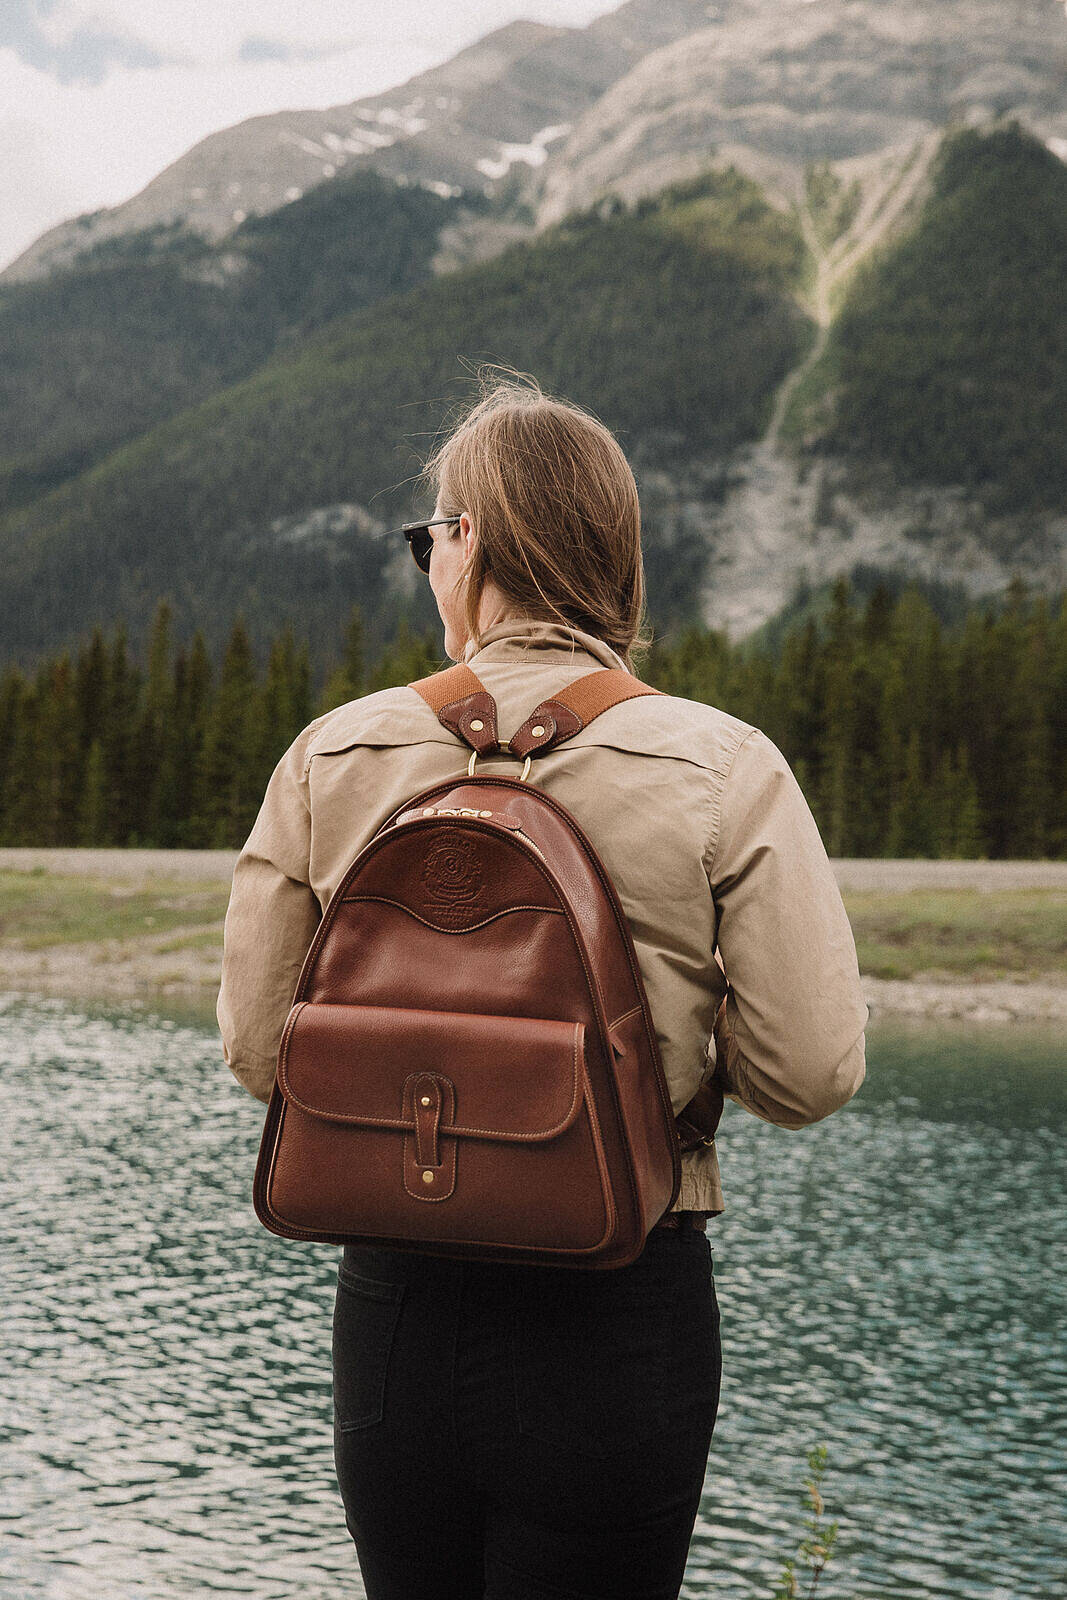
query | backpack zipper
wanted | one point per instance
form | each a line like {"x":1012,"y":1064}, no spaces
{"x":523,"y":834}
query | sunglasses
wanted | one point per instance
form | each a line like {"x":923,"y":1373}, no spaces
{"x":420,"y":539}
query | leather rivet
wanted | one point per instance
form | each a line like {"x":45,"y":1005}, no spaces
{"x":426,"y":1100}
{"x":477,"y":724}
{"x":537,"y":731}
{"x":427,"y":1177}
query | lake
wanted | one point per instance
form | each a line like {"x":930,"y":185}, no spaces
{"x":892,"y":1283}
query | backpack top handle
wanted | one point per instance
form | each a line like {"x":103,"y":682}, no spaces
{"x":464,"y":705}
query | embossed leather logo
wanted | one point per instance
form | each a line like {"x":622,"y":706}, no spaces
{"x":452,"y":876}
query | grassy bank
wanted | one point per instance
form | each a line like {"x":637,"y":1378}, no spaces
{"x":954,"y":934}
{"x":39,"y":909}
{"x":125,"y":928}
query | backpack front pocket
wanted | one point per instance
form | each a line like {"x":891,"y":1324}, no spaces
{"x":461,"y":1127}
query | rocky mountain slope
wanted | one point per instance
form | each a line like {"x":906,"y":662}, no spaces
{"x":773,"y":85}
{"x":500,"y":105}
{"x":145,"y":324}
{"x":551,"y":119}
{"x":920,"y":434}
{"x":271,"y":494}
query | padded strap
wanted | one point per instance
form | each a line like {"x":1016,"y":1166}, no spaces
{"x":464,"y":705}
{"x":575,"y":707}
{"x":452,"y":683}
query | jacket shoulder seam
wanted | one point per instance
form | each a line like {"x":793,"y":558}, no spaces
{"x":717,"y":799}
{"x":358,"y":733}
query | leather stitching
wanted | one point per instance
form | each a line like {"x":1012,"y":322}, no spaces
{"x":384,"y":899}
{"x":634,"y":1011}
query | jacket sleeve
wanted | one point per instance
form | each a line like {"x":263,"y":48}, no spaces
{"x":790,"y":1042}
{"x":270,"y":921}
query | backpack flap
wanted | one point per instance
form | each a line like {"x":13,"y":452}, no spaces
{"x":514,"y":1077}
{"x":465,"y":1115}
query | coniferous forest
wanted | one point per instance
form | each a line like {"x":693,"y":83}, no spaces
{"x":909,"y":736}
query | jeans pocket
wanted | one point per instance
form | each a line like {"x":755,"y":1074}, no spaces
{"x":365,"y":1316}
{"x":599,"y":1368}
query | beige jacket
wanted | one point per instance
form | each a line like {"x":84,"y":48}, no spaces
{"x":698,"y":819}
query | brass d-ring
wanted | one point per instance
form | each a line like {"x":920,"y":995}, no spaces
{"x":474,"y":757}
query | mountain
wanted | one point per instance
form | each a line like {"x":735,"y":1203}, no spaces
{"x":947,"y":361}
{"x":920,"y":432}
{"x":459,"y":128}
{"x":676,"y":325}
{"x":772,"y":86}
{"x":546,"y":120}
{"x":143,"y":325}
{"x":841,"y":346}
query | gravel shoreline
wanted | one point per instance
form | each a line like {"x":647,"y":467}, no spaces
{"x":138,"y":969}
{"x":107,"y":972}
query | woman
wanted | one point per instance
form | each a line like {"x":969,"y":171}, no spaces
{"x":512,"y":1430}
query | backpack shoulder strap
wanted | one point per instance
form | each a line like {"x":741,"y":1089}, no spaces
{"x":460,"y":700}
{"x":574,"y":707}
{"x":463,"y":704}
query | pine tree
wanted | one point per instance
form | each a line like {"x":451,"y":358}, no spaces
{"x":943,"y":805}
{"x":1057,"y":726}
{"x":347,"y":680}
{"x":1032,"y":810}
{"x":92,"y":810}
{"x":118,"y":736}
{"x":277,"y":717}
{"x":62,"y":757}
{"x":91,"y":680}
{"x":354,"y":662}
{"x":892,"y":758}
{"x":1005,"y":722}
{"x":27,"y":778}
{"x":973,"y":691}
{"x":837,"y":791}
{"x":45,"y":765}
{"x":798,"y":694}
{"x":229,"y":795}
{"x":14,"y":691}
{"x":969,"y":842}
{"x":878,"y":615}
{"x":301,"y":688}
{"x":192,"y":698}
{"x":911,"y":822}
{"x":156,"y":782}
{"x":408,"y":657}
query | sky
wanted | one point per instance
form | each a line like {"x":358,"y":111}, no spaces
{"x":96,"y":99}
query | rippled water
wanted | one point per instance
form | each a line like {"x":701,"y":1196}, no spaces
{"x":892,"y":1283}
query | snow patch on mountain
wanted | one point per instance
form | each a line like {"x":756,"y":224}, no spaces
{"x":534,"y":154}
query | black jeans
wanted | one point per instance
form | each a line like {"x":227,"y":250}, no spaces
{"x":515,"y":1432}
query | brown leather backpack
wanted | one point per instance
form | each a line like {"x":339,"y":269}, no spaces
{"x":469,"y":1067}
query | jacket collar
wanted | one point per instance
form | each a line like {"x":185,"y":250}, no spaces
{"x":520,"y":638}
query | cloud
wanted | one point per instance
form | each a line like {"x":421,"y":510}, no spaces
{"x":255,"y":47}
{"x":41,"y":35}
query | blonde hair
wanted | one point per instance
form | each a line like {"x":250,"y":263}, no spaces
{"x":555,"y":511}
